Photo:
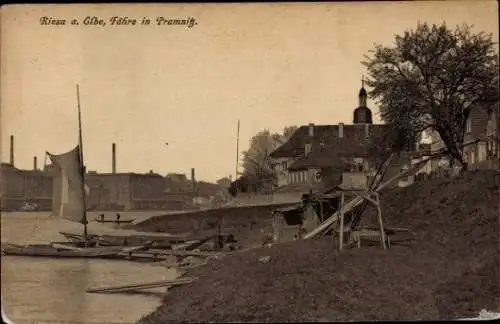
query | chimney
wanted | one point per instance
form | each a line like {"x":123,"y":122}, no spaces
{"x":12,"y":150}
{"x":341,"y":130}
{"x":193,"y":180}
{"x":35,"y":166}
{"x":311,"y":130}
{"x":113,"y":158}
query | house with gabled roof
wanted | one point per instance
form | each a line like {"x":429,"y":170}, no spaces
{"x":481,"y":140}
{"x":482,"y":130}
{"x":319,"y":156}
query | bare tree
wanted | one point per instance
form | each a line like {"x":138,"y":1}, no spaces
{"x":431,"y":78}
{"x":256,"y":161}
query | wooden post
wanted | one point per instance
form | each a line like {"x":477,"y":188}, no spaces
{"x":220,"y":242}
{"x":341,"y":211}
{"x":277,"y":226}
{"x":321,"y":210}
{"x":381,"y":223}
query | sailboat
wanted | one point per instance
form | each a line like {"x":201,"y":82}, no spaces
{"x":69,"y":202}
{"x":69,"y":197}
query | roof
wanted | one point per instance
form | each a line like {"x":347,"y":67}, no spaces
{"x":299,"y":187}
{"x":121,"y":174}
{"x":325,"y":134}
{"x":176,"y":177}
{"x":327,"y":149}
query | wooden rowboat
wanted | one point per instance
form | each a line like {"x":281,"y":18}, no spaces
{"x":67,"y":251}
{"x":114,"y":221}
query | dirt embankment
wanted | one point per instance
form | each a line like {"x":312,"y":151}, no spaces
{"x":450,"y":271}
{"x":248,"y":224}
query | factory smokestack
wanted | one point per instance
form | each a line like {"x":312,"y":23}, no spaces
{"x":35,"y":166}
{"x":193,"y":180}
{"x":12,"y":150}
{"x":113,"y":157}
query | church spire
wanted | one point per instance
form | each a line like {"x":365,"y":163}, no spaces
{"x":362,"y":93}
{"x":362,"y":114}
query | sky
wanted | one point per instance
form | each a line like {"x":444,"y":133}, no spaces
{"x":268,"y":65}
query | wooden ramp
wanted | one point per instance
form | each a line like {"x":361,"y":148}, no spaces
{"x":140,"y":286}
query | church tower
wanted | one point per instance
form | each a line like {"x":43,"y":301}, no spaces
{"x":362,"y":114}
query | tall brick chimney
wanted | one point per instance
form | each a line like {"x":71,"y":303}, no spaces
{"x":12,"y":150}
{"x":193,"y":180}
{"x":113,"y":157}
{"x":35,"y":166}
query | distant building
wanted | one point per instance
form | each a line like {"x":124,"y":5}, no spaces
{"x":178,"y":191}
{"x":319,"y":156}
{"x":108,"y":191}
{"x":481,"y":140}
{"x":178,"y":183}
{"x":126,"y":191}
{"x":493,"y":136}
{"x":476,"y":131}
{"x":224,"y":182}
{"x":19,"y":187}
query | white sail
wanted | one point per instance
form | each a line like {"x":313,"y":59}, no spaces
{"x":68,"y":199}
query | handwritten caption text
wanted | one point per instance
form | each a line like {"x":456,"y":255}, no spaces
{"x":188,"y":22}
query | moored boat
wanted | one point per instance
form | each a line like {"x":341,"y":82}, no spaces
{"x":67,"y":250}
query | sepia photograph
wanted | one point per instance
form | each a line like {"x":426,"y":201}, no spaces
{"x":250,"y":162}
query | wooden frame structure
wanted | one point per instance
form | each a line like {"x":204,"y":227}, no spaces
{"x":278,"y":217}
{"x":372,"y":197}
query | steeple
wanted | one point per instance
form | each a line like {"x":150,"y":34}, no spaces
{"x":362,"y":93}
{"x":362,"y":114}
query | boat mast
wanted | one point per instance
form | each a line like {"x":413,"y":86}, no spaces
{"x":82,"y":167}
{"x":237,"y":150}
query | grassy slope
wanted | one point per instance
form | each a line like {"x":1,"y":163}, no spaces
{"x":449,"y":272}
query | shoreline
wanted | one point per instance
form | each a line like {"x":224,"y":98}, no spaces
{"x":310,"y":280}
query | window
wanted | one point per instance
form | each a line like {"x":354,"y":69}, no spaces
{"x":308,"y":148}
{"x":482,"y":153}
{"x":318,"y":176}
{"x":468,"y":125}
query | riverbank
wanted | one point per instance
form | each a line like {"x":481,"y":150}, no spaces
{"x":248,"y":224}
{"x":450,"y":271}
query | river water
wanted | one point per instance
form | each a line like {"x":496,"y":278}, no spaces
{"x":46,"y":290}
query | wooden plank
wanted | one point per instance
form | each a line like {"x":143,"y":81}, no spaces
{"x":184,"y":253}
{"x":389,"y":230}
{"x":49,"y":251}
{"x":158,"y":237}
{"x":148,"y":285}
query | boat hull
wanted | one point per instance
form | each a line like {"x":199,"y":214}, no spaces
{"x":61,"y":251}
